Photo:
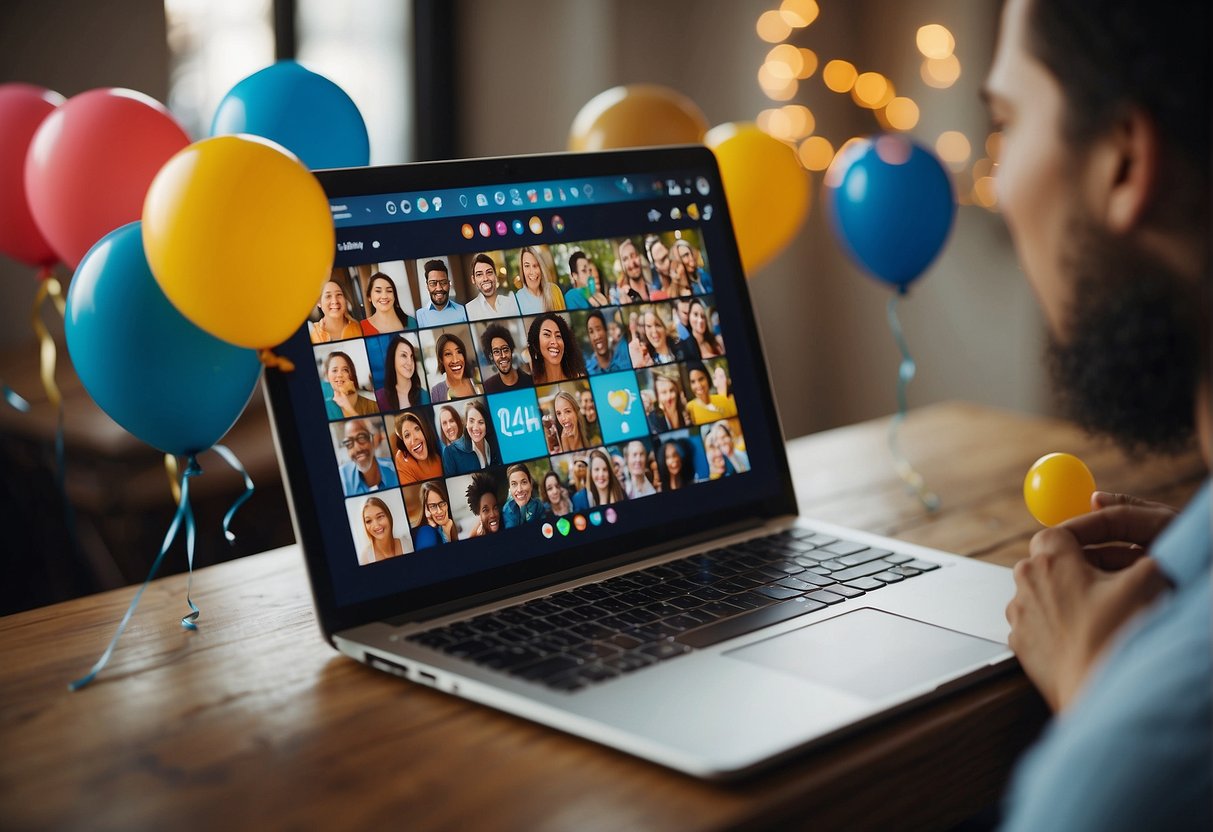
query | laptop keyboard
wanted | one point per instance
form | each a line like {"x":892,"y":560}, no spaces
{"x":600,"y":631}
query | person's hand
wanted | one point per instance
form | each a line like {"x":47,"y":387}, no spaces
{"x":1074,"y":592}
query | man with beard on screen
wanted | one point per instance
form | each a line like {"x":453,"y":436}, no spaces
{"x":1103,"y":180}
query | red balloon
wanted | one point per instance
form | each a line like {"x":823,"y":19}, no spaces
{"x":91,"y":162}
{"x":22,"y":108}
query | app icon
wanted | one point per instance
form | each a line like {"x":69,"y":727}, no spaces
{"x":467,"y":231}
{"x":563,"y":196}
{"x":576,"y":193}
{"x":654,"y":215}
{"x":519,"y":227}
{"x":548,"y":531}
{"x":515,"y":196}
{"x":693,"y":211}
{"x":519,"y":425}
{"x":673,"y":188}
{"x":406,"y":206}
{"x":485,"y":230}
{"x":557,"y":224}
{"x":589,"y":190}
{"x":701,"y":185}
{"x":423,"y":205}
{"x":675,"y":214}
{"x":619,"y":415}
{"x":625,"y":185}
{"x":532,"y":195}
{"x":482,"y":200}
{"x":463,"y":200}
{"x":375,"y":244}
{"x":390,"y":207}
{"x":562,"y":526}
{"x":499,"y":197}
{"x":707,"y":211}
{"x":547,"y":194}
{"x":621,"y":401}
{"x":536,"y":225}
{"x":611,"y":516}
{"x":596,"y":518}
{"x":502,"y":228}
{"x":579,"y":522}
{"x":437,"y":204}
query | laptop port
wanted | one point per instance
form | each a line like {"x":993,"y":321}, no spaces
{"x":379,"y":663}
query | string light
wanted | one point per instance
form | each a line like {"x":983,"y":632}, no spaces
{"x":808,"y":60}
{"x":785,"y":61}
{"x":772,"y":27}
{"x":940,"y":73}
{"x":839,"y":75}
{"x":871,"y":90}
{"x":953,"y":148}
{"x":901,"y":113}
{"x":776,"y":88}
{"x":801,"y":122}
{"x":816,"y":153}
{"x":798,"y":13}
{"x":984,"y":193}
{"x":935,"y":41}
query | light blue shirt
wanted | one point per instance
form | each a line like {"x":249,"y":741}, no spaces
{"x":1135,"y":749}
{"x":352,"y":481}
{"x":452,"y":313}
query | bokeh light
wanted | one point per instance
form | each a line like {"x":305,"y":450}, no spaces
{"x":798,"y":13}
{"x":772,"y":27}
{"x":901,"y":113}
{"x":801,"y":122}
{"x":935,"y":41}
{"x":808,"y":60}
{"x":984,"y":193}
{"x":954,"y":148}
{"x":993,"y":145}
{"x":776,"y":88}
{"x":871,"y":90}
{"x":816,"y":153}
{"x":982,"y":167}
{"x":785,"y":61}
{"x":839,"y":76}
{"x":941,"y":73}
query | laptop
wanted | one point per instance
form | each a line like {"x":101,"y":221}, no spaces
{"x":533,"y":460}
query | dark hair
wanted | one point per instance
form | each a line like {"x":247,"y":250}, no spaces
{"x":494,"y":331}
{"x":692,"y":366}
{"x":1111,"y":56}
{"x":490,"y":433}
{"x":389,"y":374}
{"x":434,"y":266}
{"x":427,"y":430}
{"x":437,"y":487}
{"x":480,"y":485}
{"x":663,"y":473}
{"x":349,"y":362}
{"x":709,"y":337}
{"x":448,"y":338}
{"x":572,"y":364}
{"x":404,"y":319}
{"x":483,"y":258}
{"x":575,"y":258}
{"x":455,"y":415}
{"x":614,"y":488}
{"x":594,"y":313}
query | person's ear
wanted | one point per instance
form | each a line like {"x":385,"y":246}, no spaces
{"x":1126,"y":170}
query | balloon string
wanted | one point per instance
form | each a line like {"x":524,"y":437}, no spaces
{"x":14,"y":399}
{"x":174,"y":477}
{"x":48,"y":288}
{"x":184,"y":515}
{"x":232,"y":460}
{"x":905,"y":374}
{"x":274,"y":361}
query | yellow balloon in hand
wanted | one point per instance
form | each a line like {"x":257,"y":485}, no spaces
{"x":240,"y":237}
{"x":1058,"y":487}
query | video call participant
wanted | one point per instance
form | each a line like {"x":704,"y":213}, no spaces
{"x":659,"y":344}
{"x":365,"y":472}
{"x":579,"y":473}
{"x":680,"y":282}
{"x":335,"y":323}
{"x":603,"y":486}
{"x":586,"y":289}
{"x":345,"y":401}
{"x":722,"y":438}
{"x":482,"y":500}
{"x":603,"y":358}
{"x":477,"y":448}
{"x":383,"y":307}
{"x":659,"y":260}
{"x":401,"y":377}
{"x":707,"y":406}
{"x":537,"y":294}
{"x":558,"y":502}
{"x":566,"y":427}
{"x":439,"y":527}
{"x":701,"y":281}
{"x":682,"y":318}
{"x":555,"y":355}
{"x":382,"y":542}
{"x":670,"y":409}
{"x":491,"y":302}
{"x":523,"y":506}
{"x":718,"y":466}
{"x":457,"y":382}
{"x":637,"y":460}
{"x":632,"y":285}
{"x":450,"y":423}
{"x":588,"y":409}
{"x":673,"y":459}
{"x":498,"y":345}
{"x":417,"y":455}
{"x":441,"y":309}
{"x":707,"y":344}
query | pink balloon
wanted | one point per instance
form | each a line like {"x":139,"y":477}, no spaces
{"x":91,"y":162}
{"x":22,"y":108}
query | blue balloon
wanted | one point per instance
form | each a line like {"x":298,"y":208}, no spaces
{"x":304,"y":112}
{"x":891,"y":206}
{"x":162,"y":378}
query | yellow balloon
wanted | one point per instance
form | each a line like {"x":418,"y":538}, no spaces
{"x":637,"y":115}
{"x":767,"y":190}
{"x":240,"y":237}
{"x":1057,"y":488}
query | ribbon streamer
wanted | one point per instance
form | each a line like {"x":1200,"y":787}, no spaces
{"x":905,"y":374}
{"x":48,"y":287}
{"x":274,"y":361}
{"x":13,"y":398}
{"x":184,"y":515}
{"x":231,"y":459}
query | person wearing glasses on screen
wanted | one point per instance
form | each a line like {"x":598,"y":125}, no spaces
{"x":401,"y":377}
{"x":603,"y":486}
{"x":670,"y":408}
{"x":637,"y":483}
{"x":586,"y":289}
{"x":703,"y":342}
{"x":498,"y":344}
{"x":439,"y":527}
{"x":345,"y":401}
{"x":492,"y":302}
{"x":701,"y":281}
{"x":566,"y":427}
{"x":523,"y":506}
{"x":335,"y":323}
{"x":457,"y":382}
{"x":707,"y":406}
{"x":537,"y":294}
{"x":603,"y":359}
{"x":382,"y":543}
{"x":441,"y":309}
{"x":417,"y":455}
{"x":555,"y":355}
{"x":477,"y":448}
{"x":482,"y":500}
{"x":558,"y":502}
{"x":365,"y":472}
{"x":632,"y":287}
{"x":383,"y":307}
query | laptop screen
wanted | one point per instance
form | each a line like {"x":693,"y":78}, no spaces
{"x":520,"y":368}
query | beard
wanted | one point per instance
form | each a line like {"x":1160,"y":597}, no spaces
{"x":1134,"y":354}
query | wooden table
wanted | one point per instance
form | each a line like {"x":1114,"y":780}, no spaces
{"x":254,"y":721}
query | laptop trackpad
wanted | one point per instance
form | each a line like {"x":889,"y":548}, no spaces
{"x":870,"y":654}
